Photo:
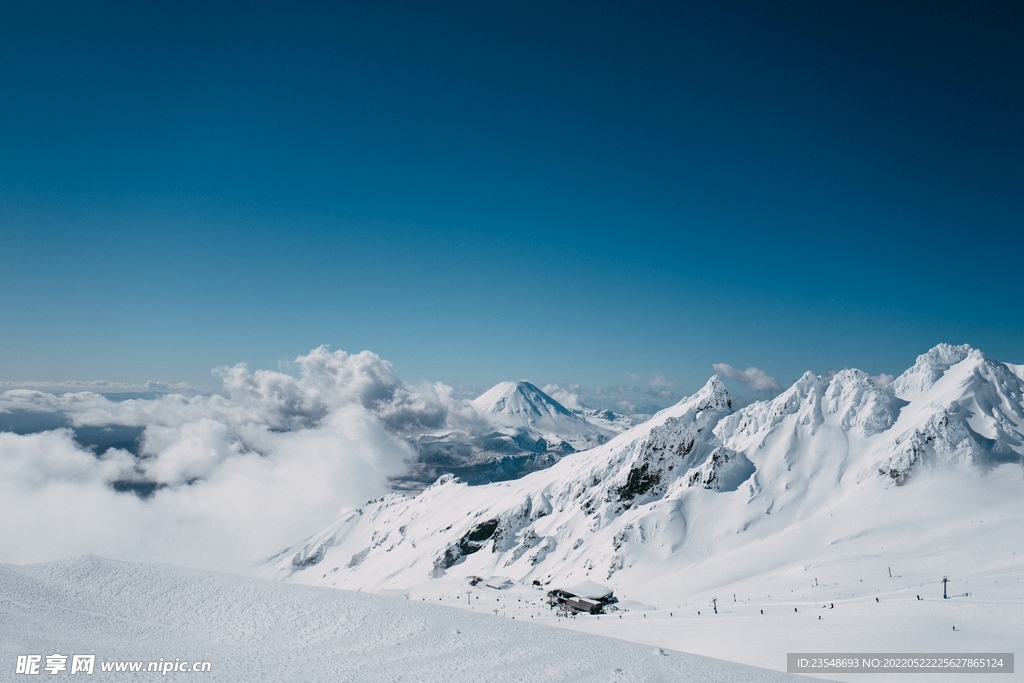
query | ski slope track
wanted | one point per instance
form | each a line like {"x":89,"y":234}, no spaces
{"x":252,"y":630}
{"x":821,"y":520}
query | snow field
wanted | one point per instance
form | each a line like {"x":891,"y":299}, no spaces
{"x":975,"y":538}
{"x":990,"y":620}
{"x":253,"y":630}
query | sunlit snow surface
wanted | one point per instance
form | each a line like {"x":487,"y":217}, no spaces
{"x":800,"y":506}
{"x":821,"y":520}
{"x":251,"y":630}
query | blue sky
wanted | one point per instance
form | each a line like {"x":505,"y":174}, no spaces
{"x":489,"y":191}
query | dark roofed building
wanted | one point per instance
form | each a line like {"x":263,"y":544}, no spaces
{"x":586,"y":597}
{"x":584,"y":605}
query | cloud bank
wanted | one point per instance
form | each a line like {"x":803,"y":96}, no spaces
{"x":221,"y":481}
{"x":217,"y":481}
{"x":752,"y":378}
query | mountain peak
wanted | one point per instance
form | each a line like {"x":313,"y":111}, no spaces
{"x":712,"y":396}
{"x":521,"y":405}
{"x":520,"y":399}
{"x":930,"y":367}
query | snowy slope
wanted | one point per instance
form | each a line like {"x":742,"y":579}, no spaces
{"x":836,"y":478}
{"x":696,"y":479}
{"x":252,"y":630}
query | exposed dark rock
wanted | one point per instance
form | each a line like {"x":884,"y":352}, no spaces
{"x":301,"y":561}
{"x":472,"y":541}
{"x":640,"y":481}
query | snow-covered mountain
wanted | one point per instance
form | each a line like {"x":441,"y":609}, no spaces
{"x":520,"y":429}
{"x":521,"y":405}
{"x":831,"y":471}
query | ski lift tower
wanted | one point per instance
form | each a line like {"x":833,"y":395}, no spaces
{"x":945,"y":580}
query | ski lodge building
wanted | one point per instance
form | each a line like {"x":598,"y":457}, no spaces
{"x":586,"y":597}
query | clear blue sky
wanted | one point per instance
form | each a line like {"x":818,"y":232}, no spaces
{"x":486,"y":191}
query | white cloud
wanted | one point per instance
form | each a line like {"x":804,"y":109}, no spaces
{"x":659,"y":381}
{"x":620,"y":398}
{"x":753,"y":378}
{"x":56,"y":499}
{"x":239,"y":476}
{"x":883,"y":379}
{"x":569,"y":396}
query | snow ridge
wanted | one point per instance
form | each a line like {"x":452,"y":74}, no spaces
{"x":697,"y":483}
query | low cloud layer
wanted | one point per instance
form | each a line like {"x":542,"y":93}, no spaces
{"x":226,"y":480}
{"x":569,"y":395}
{"x":621,"y":398}
{"x":752,"y":378}
{"x":100,"y":387}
